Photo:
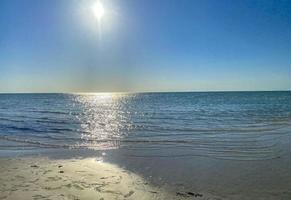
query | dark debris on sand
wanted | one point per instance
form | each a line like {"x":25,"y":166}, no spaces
{"x":188,"y":194}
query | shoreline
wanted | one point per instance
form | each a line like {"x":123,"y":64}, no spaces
{"x":95,"y":174}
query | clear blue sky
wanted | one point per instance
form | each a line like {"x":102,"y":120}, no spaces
{"x":145,"y":45}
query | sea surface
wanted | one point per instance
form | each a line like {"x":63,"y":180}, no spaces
{"x":223,"y":125}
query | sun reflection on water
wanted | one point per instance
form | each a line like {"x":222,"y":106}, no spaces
{"x":104,"y":120}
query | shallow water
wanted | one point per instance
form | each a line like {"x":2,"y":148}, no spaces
{"x":225,"y":125}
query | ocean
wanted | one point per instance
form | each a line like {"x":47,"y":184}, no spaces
{"x":226,"y":125}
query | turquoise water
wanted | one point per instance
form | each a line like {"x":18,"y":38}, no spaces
{"x":224,"y":125}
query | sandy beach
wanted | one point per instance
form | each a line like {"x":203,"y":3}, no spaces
{"x":43,"y":178}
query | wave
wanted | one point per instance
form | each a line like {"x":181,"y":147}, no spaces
{"x":238,"y":149}
{"x":25,"y":129}
{"x":11,"y":120}
{"x":210,"y":140}
{"x":49,"y":112}
{"x":247,"y":129}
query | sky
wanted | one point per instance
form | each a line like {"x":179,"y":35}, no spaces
{"x":145,"y":45}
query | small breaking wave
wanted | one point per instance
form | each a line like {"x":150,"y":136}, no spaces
{"x":234,"y":148}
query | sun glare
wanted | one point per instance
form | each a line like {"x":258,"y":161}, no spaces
{"x":98,"y":10}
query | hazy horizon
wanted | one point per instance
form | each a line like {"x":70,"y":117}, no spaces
{"x":141,"y":92}
{"x":59,"y":46}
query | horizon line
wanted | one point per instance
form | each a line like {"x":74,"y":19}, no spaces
{"x":143,"y":92}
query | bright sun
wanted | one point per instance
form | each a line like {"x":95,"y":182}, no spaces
{"x":98,"y":10}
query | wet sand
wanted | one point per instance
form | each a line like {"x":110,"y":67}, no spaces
{"x":268,"y":179}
